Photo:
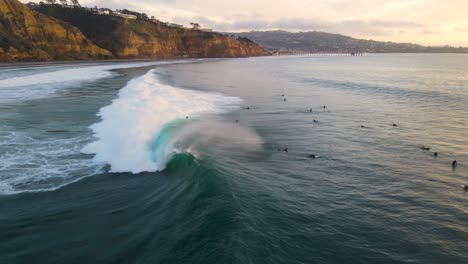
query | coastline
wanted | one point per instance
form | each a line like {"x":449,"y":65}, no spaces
{"x":60,"y":62}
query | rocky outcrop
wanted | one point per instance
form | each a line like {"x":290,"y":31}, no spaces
{"x":52,"y":32}
{"x":26,"y":35}
{"x":142,"y":38}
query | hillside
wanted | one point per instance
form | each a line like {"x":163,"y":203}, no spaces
{"x":26,"y":35}
{"x":145,"y":38}
{"x":325,"y":42}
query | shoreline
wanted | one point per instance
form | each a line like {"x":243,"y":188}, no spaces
{"x":42,"y":63}
{"x":62,"y":62}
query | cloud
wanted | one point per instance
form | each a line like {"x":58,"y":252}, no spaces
{"x":430,"y":32}
{"x":371,"y":27}
{"x":461,"y":30}
{"x":424,"y":21}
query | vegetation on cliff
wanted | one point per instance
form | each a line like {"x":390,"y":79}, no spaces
{"x":149,"y":38}
{"x":26,"y":35}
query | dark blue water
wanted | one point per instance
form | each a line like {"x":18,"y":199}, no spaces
{"x":214,"y":187}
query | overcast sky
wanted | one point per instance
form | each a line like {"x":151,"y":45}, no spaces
{"x":432,"y":22}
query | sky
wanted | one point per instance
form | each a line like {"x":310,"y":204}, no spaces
{"x":427,"y":22}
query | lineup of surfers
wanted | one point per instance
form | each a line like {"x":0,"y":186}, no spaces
{"x":313,"y":156}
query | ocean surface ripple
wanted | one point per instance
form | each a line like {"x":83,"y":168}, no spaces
{"x":287,"y":159}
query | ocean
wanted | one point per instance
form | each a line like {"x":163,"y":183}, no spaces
{"x":284,"y":159}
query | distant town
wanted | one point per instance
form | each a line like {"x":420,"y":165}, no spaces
{"x":284,"y":42}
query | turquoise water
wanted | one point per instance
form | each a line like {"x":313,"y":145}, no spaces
{"x":179,"y":162}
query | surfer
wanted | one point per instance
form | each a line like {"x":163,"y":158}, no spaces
{"x":425,"y":148}
{"x":465,"y":187}
{"x":394,"y":125}
{"x":316,"y":121}
{"x":324,"y":107}
{"x":310,"y":110}
{"x":284,"y":99}
{"x":454,"y":164}
{"x":312,"y":156}
{"x":436,"y":154}
{"x":285,"y":149}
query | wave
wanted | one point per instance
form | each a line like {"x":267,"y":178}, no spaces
{"x":147,"y":124}
{"x":389,"y":91}
{"x":200,"y":137}
{"x":40,"y":85}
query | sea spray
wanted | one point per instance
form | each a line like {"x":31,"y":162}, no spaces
{"x":133,"y":120}
{"x":200,"y":136}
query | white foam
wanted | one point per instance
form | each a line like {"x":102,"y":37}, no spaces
{"x":141,"y":110}
{"x":6,"y":189}
{"x":40,"y":85}
{"x":31,"y":165}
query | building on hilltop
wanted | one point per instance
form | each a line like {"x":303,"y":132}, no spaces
{"x":104,"y":11}
{"x":127,"y":16}
{"x":175,"y":25}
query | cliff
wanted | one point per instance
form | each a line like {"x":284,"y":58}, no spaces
{"x":27,"y":35}
{"x":143,"y":38}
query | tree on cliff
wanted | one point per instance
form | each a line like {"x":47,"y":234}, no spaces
{"x":195,"y":26}
{"x":75,"y":3}
{"x":31,"y":5}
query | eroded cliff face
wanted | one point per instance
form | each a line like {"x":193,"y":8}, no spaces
{"x":143,"y":39}
{"x":127,"y":38}
{"x":26,"y":35}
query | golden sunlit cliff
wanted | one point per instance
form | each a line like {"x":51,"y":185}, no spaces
{"x":26,"y":35}
{"x":142,"y":37}
{"x":53,"y":32}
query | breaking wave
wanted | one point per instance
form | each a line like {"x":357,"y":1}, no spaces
{"x":150,"y":122}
